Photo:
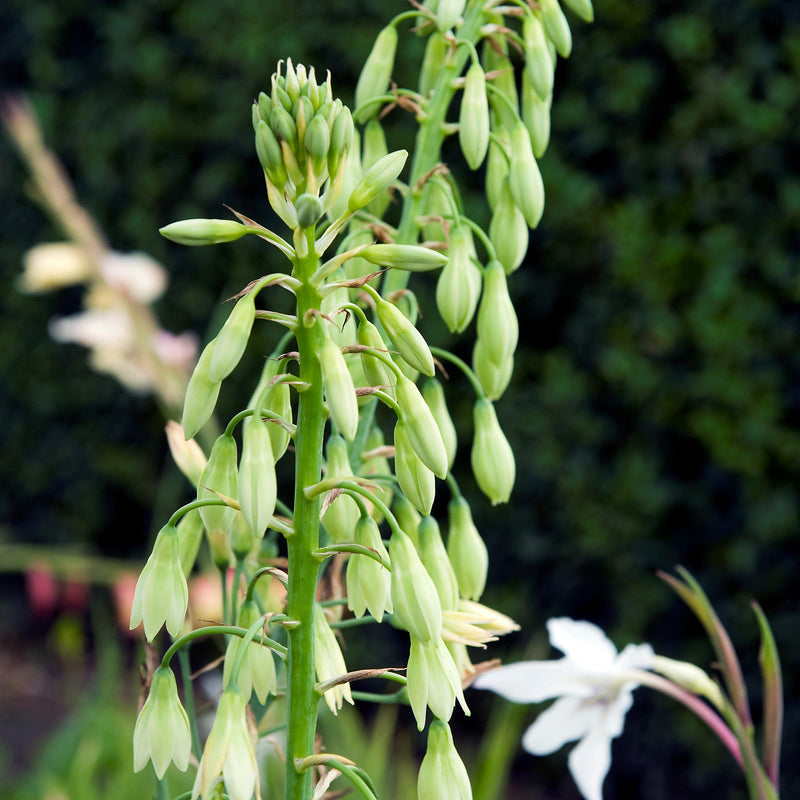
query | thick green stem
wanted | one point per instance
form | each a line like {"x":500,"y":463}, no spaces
{"x":301,"y":697}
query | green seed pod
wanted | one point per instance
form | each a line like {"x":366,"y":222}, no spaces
{"x":492,"y":458}
{"x":409,"y":257}
{"x":508,"y":232}
{"x":201,"y":395}
{"x":377,"y":179}
{"x":473,"y":121}
{"x":414,"y":597}
{"x":442,"y":774}
{"x":258,"y":488}
{"x":498,"y":330}
{"x":524,"y":178}
{"x":494,"y":377}
{"x":219,"y":478}
{"x":269,"y":154}
{"x":536,"y":116}
{"x":583,"y":8}
{"x":496,"y":167}
{"x":368,"y":583}
{"x":416,"y":481}
{"x":448,"y":13}
{"x":309,"y":210}
{"x":341,"y":515}
{"x":433,"y":62}
{"x":407,"y":340}
{"x":232,"y":339}
{"x":341,"y":141}
{"x":199,"y":232}
{"x":459,"y":286}
{"x":556,"y":26}
{"x":375,"y":371}
{"x":340,"y":392}
{"x":433,"y":393}
{"x":434,"y":557}
{"x":374,"y":78}
{"x":422,"y":428}
{"x":539,"y":64}
{"x":466,"y":550}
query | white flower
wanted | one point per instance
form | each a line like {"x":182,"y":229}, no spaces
{"x":594,"y":685}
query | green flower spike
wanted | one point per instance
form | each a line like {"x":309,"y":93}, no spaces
{"x":442,"y":774}
{"x":162,"y":731}
{"x":492,"y":457}
{"x":161,"y":595}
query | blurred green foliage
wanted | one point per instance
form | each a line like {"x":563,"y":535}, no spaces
{"x":656,"y":399}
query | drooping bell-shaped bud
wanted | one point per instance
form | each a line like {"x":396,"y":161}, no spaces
{"x":536,"y":116}
{"x":498,"y":330}
{"x":379,"y":177}
{"x":201,"y":395}
{"x":497,"y":166}
{"x":473,"y":121}
{"x":433,"y":62}
{"x":433,"y":681}
{"x":341,"y":515}
{"x":258,"y":488}
{"x":459,"y":286}
{"x":232,"y":339}
{"x":197,"y":232}
{"x":539,"y":64}
{"x":583,"y":8}
{"x":434,"y":556}
{"x":408,"y":518}
{"x":409,"y":257}
{"x":407,"y":340}
{"x":369,"y":583}
{"x":508,"y":231}
{"x":422,"y":428}
{"x":414,"y":597}
{"x":219,"y":478}
{"x":416,"y":481}
{"x":433,"y":394}
{"x":493,"y":377}
{"x":329,"y":661}
{"x":190,"y":535}
{"x":161,"y":594}
{"x":257,"y":673}
{"x":524,"y":178}
{"x":186,"y":453}
{"x":466,"y":549}
{"x":374,"y":79}
{"x":448,"y":13}
{"x":376,"y":462}
{"x":340,"y":392}
{"x":375,"y":370}
{"x":442,"y":774}
{"x":556,"y":26}
{"x":279,"y":400}
{"x":492,"y":458}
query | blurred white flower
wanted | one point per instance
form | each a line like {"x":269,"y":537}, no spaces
{"x":594,"y":685}
{"x":137,"y":275}
{"x":107,"y":328}
{"x":53,"y":266}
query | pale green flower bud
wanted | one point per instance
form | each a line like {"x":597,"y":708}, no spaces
{"x":279,"y":400}
{"x":374,"y":79}
{"x":410,"y":257}
{"x":373,"y":150}
{"x":690,"y":677}
{"x":219,"y":545}
{"x":524,"y":178}
{"x":258,"y":488}
{"x":219,"y":478}
{"x":196,"y":232}
{"x":269,"y":154}
{"x":201,"y":394}
{"x":309,"y":210}
{"x":350,"y":170}
{"x":317,"y":142}
{"x":493,"y":377}
{"x":498,"y":330}
{"x":162,"y":731}
{"x":459,"y":286}
{"x":492,"y":457}
{"x":291,"y":83}
{"x":408,"y":518}
{"x":242,"y":538}
{"x":433,"y":62}
{"x":368,"y":583}
{"x":508,"y":231}
{"x":341,"y":141}
{"x":377,"y":464}
{"x":161,"y":594}
{"x":230,"y":750}
{"x":257,"y":673}
{"x":433,"y":681}
{"x":539,"y":64}
{"x":416,"y":481}
{"x":496,"y":167}
{"x":186,"y":453}
{"x":556,"y":26}
{"x":340,"y":393}
{"x":341,"y":515}
{"x":437,"y":202}
{"x":375,"y":371}
{"x":379,"y":177}
{"x":473,"y":121}
{"x":433,"y":394}
{"x":422,"y":428}
{"x":407,"y":340}
{"x":505,"y":82}
{"x":232,"y":339}
{"x":284,"y":126}
{"x":536,"y":116}
{"x":414,"y":597}
{"x":190,"y":534}
{"x":442,"y":774}
{"x":329,"y":661}
{"x":264,"y":107}
{"x":583,"y":8}
{"x":448,"y":13}
{"x":434,"y":556}
{"x":466,"y":549}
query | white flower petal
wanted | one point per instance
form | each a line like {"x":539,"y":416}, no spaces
{"x":534,"y":681}
{"x":582,"y":642}
{"x":612,"y":719}
{"x":567,"y":719}
{"x":636,"y":656}
{"x":589,"y":763}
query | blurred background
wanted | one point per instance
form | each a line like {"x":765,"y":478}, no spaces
{"x":654,"y":409}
